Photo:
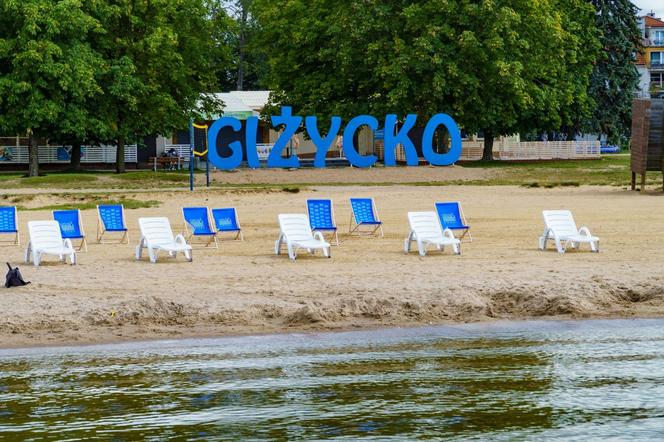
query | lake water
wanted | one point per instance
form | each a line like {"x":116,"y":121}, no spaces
{"x":570,"y":380}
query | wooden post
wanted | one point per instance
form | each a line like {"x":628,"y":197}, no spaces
{"x":643,"y":182}
{"x":633,"y":180}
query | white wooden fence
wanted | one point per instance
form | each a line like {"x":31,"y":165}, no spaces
{"x":62,"y":154}
{"x":532,"y":150}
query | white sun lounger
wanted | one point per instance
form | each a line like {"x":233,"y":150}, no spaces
{"x":560,"y":227}
{"x":156,"y":235}
{"x":425,"y":229}
{"x":296,"y":234}
{"x":46,"y":239}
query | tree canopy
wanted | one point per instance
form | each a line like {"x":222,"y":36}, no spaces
{"x":499,"y":66}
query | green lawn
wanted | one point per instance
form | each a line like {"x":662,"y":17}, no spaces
{"x":611,"y":170}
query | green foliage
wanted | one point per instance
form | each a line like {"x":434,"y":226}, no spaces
{"x":500,"y":66}
{"x":47,"y":68}
{"x":615,"y":78}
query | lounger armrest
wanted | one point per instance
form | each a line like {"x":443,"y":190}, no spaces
{"x":584,"y":231}
{"x":67,"y":244}
{"x":180,"y":240}
{"x":319,"y":236}
{"x":448,"y":233}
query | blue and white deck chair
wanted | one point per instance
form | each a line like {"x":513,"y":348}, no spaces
{"x":321,"y":217}
{"x":364,"y":214}
{"x":225,"y":220}
{"x":197,"y":223}
{"x":112,"y":219}
{"x":70,"y":226}
{"x":9,"y":223}
{"x":451,"y":217}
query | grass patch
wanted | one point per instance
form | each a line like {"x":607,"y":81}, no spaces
{"x":142,"y":176}
{"x":58,"y":179}
{"x":128,"y":203}
{"x":291,"y":189}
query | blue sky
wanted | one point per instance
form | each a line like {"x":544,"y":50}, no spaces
{"x":648,"y":5}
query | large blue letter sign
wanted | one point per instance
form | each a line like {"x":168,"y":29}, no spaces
{"x":351,"y":152}
{"x":234,"y":161}
{"x":291,"y":123}
{"x":444,"y":159}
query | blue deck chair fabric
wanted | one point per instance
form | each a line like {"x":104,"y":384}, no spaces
{"x":364,"y":214}
{"x":321,"y":216}
{"x":451,"y":217}
{"x":225,"y":220}
{"x":9,"y":222}
{"x":111,"y":219}
{"x":199,"y":220}
{"x":70,"y":225}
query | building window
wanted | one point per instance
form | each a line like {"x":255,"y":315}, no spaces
{"x":659,"y":38}
{"x":657,"y":79}
{"x":656,"y":58}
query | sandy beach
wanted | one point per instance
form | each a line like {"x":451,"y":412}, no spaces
{"x":369,"y":282}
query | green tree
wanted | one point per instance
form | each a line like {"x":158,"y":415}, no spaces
{"x":499,"y":66}
{"x":47,"y":70}
{"x":157,"y":62}
{"x":615,"y":79}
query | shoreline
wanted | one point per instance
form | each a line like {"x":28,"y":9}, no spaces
{"x":220,"y":334}
{"x":244,"y":289}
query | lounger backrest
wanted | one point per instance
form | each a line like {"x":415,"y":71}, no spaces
{"x":320,"y":214}
{"x":560,"y":221}
{"x":425,"y":224}
{"x":363,"y":210}
{"x":295,"y":227}
{"x":70,"y":223}
{"x":450,"y":215}
{"x":198,"y":218}
{"x":156,"y":230}
{"x":226,"y":219}
{"x":8,"y":220}
{"x":112,"y":217}
{"x":44,"y":234}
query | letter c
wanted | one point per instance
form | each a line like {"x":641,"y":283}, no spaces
{"x":351,"y":152}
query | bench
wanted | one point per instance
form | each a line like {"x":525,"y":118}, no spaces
{"x":168,"y":163}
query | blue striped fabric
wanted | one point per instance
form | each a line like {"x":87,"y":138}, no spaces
{"x":320,"y":215}
{"x":8,"y":220}
{"x":111,"y":217}
{"x":363,"y":211}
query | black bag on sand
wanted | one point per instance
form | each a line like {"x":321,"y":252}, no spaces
{"x":14,"y":278}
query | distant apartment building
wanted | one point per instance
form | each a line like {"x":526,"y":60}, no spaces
{"x":651,"y":61}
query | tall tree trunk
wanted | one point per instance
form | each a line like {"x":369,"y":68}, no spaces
{"x":33,"y":154}
{"x":75,"y":157}
{"x":244,"y":15}
{"x":487,"y":155}
{"x":120,"y":156}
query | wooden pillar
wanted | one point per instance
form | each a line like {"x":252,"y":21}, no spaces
{"x":643,"y":182}
{"x":633,"y":180}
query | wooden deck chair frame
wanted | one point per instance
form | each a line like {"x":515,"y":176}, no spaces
{"x":186,"y":227}
{"x":101,"y":229}
{"x":83,"y":246}
{"x":334,"y":221}
{"x":466,"y":232}
{"x":353,"y":227}
{"x":239,"y":236}
{"x":17,"y":236}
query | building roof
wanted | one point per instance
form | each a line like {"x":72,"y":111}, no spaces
{"x":254,"y":99}
{"x":652,"y":22}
